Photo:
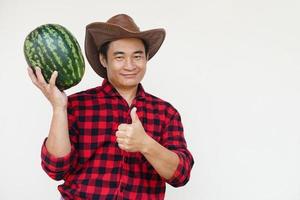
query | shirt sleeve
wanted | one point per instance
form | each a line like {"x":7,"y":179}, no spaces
{"x":173,"y":139}
{"x":58,"y":167}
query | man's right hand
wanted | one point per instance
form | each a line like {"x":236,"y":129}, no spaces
{"x":58,"y":143}
{"x":57,"y":98}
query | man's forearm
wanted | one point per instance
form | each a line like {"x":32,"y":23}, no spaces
{"x":58,"y":142}
{"x":164,"y":161}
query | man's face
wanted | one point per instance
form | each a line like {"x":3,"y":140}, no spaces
{"x":126,"y":62}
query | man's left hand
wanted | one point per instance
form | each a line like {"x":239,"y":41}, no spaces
{"x":132,"y":137}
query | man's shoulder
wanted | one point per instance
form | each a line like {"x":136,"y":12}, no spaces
{"x":87,"y":94}
{"x":155,"y":99}
{"x":161,"y":103}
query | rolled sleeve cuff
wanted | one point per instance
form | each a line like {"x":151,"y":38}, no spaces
{"x":182,"y":173}
{"x":52,"y":163}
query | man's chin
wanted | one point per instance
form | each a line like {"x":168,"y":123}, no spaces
{"x":130,"y":82}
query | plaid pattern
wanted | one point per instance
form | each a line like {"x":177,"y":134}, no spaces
{"x":96,"y":168}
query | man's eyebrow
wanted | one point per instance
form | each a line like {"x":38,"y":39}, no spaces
{"x":121,"y":52}
{"x":118,"y":52}
{"x":139,"y":51}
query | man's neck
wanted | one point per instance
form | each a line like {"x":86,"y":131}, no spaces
{"x":128,"y":93}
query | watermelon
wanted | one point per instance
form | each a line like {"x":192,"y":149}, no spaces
{"x":53,"y":48}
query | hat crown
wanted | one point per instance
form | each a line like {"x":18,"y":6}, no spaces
{"x":125,"y":22}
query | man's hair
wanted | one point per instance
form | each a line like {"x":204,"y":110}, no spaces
{"x":104,"y":48}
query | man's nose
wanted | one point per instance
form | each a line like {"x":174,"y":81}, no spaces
{"x":130,"y":65}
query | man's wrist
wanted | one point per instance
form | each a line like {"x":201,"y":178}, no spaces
{"x":147,"y":144}
{"x":59,"y":112}
{"x":59,"y":109}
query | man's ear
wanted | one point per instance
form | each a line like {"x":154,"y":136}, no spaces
{"x":102,"y":60}
{"x":147,"y":56}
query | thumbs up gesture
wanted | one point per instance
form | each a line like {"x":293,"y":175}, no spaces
{"x":132,"y":137}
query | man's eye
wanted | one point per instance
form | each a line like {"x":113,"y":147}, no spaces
{"x":119,"y":58}
{"x":137,"y":57}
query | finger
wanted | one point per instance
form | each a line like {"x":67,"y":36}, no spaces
{"x":120,"y":140}
{"x":133,"y":115}
{"x":121,"y":146}
{"x":122,"y":127}
{"x":39,"y":76}
{"x":53,"y":79}
{"x":121,"y":134}
{"x":32,"y":75}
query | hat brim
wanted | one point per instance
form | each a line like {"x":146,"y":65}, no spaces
{"x":99,"y":33}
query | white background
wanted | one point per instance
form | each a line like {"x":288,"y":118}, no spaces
{"x":231,"y":68}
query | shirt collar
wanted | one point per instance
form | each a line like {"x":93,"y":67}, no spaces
{"x":109,"y":90}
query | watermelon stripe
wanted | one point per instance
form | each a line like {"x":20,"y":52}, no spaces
{"x":45,"y":51}
{"x":78,"y":57}
{"x":78,"y":69}
{"x":53,"y":64}
{"x":27,"y":48}
{"x":72,"y":46}
{"x":33,"y":35}
{"x":38,"y":57}
{"x":43,"y":65}
{"x":60,"y":53}
{"x":80,"y":61}
{"x":39,"y":60}
{"x":66,"y":37}
{"x":70,"y":65}
{"x":31,"y":54}
{"x":75,"y":63}
{"x":49,"y":47}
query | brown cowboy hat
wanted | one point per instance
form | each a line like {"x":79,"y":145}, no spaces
{"x":117,"y":27}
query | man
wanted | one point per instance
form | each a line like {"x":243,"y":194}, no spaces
{"x":115,"y":141}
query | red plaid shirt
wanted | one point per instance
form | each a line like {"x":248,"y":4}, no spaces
{"x":96,"y":168}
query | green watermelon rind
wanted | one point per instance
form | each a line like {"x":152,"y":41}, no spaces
{"x":53,"y":48}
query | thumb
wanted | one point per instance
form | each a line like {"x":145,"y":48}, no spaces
{"x":133,"y":115}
